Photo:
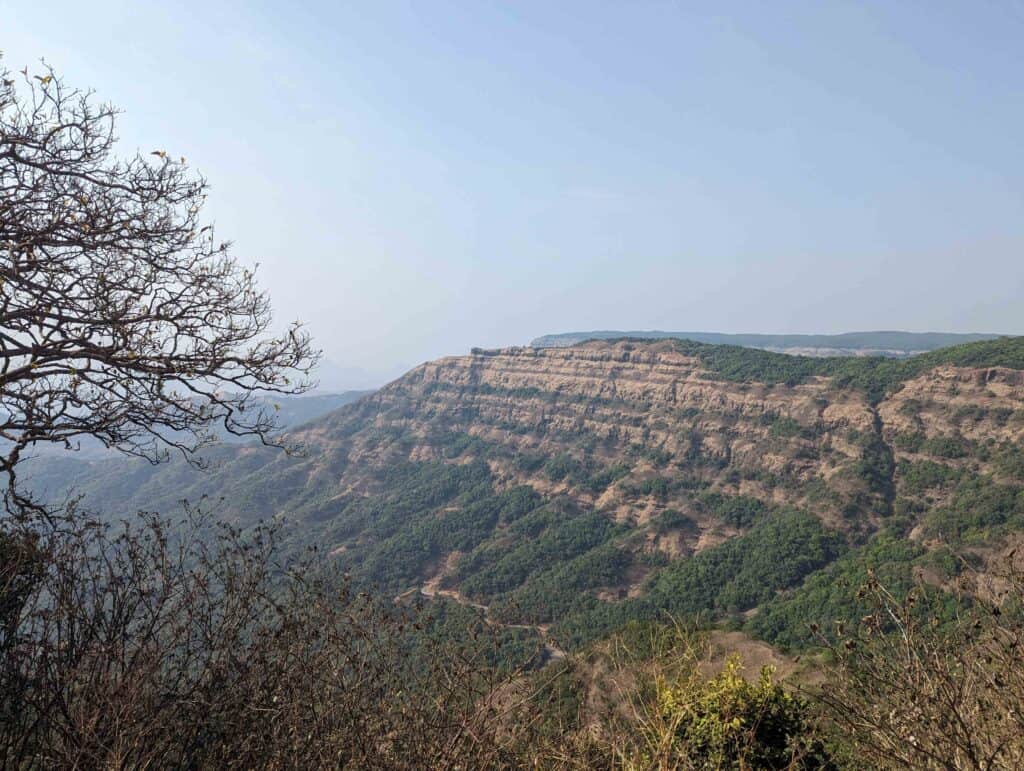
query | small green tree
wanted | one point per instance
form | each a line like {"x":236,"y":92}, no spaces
{"x":728,"y":722}
{"x":646,"y":703}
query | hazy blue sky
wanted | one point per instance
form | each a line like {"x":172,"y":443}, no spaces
{"x":419,"y":178}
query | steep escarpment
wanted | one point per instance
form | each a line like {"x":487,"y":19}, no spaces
{"x":580,"y":487}
{"x":658,"y":416}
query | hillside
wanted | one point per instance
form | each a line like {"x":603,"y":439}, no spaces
{"x":575,"y":488}
{"x":896,"y":344}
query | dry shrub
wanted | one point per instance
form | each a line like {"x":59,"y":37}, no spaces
{"x":151,"y":646}
{"x":918,"y":686}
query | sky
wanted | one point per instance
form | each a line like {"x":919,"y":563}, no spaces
{"x":417,"y":178}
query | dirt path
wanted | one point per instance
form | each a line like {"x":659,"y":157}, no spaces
{"x":432,"y":589}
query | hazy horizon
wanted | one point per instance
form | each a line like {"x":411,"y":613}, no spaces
{"x":416,"y":180}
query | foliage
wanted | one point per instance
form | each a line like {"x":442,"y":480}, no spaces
{"x":556,"y":539}
{"x":1009,"y":461}
{"x":911,"y":441}
{"x":599,"y":481}
{"x":657,"y":486}
{"x":876,"y":467}
{"x":561,"y":466}
{"x":729,"y":722}
{"x":732,"y":577}
{"x":951,"y":447}
{"x":979,"y":509}
{"x":562,"y":588}
{"x":651,"y":705}
{"x":827,"y":599}
{"x":920,"y":476}
{"x":673,"y":519}
{"x":742,"y":572}
{"x":429,"y":510}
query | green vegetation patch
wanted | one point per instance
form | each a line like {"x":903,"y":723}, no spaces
{"x":430,"y":509}
{"x":920,"y":476}
{"x":739,"y":511}
{"x":980,"y":511}
{"x":743,"y":572}
{"x":732,"y":577}
{"x":549,"y":536}
{"x":829,"y":596}
{"x":1008,"y":460}
{"x":563,"y":589}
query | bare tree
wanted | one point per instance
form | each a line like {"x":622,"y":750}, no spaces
{"x":121,"y":317}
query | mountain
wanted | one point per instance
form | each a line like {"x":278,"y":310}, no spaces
{"x":575,"y":488}
{"x":896,"y":344}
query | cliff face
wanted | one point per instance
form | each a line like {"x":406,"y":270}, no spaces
{"x":552,"y":482}
{"x":977,"y":403}
{"x":661,"y":410}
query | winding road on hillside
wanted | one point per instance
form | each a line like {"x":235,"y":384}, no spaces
{"x":432,"y":589}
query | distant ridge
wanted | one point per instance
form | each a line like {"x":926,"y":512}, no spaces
{"x":883,"y":343}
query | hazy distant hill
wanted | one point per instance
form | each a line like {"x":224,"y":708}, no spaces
{"x":583,"y":487}
{"x":296,"y":410}
{"x":291,"y":412}
{"x":846,"y":344}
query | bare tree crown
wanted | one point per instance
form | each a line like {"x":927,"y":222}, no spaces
{"x":121,"y":318}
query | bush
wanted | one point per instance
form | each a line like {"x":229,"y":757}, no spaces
{"x":730,"y":723}
{"x":925,"y":475}
{"x":951,"y":447}
{"x":1009,"y":461}
{"x":643,"y":701}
